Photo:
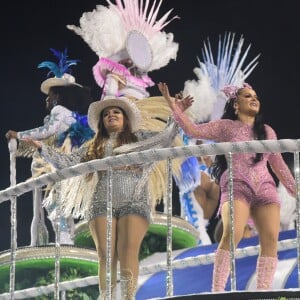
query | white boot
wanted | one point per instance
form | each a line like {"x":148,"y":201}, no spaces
{"x":128,"y":286}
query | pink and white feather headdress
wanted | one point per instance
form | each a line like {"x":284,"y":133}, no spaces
{"x":106,"y":30}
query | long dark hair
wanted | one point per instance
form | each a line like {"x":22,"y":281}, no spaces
{"x":220,"y":163}
{"x":74,"y":97}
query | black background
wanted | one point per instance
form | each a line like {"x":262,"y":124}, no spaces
{"x":30,"y":28}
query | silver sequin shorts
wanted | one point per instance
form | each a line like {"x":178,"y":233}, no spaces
{"x":124,"y":201}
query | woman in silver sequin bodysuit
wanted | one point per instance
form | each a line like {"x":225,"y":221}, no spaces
{"x":116,"y":123}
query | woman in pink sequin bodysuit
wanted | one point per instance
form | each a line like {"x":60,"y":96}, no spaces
{"x":254,"y":189}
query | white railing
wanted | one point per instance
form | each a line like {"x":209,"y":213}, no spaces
{"x":264,"y":146}
{"x":258,"y":146}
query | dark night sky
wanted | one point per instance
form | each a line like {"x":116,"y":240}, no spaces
{"x":30,"y":28}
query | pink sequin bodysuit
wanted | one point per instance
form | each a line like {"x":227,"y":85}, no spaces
{"x":252,"y":182}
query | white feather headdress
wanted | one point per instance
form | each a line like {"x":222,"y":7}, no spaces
{"x":213,"y":74}
{"x":212,"y":77}
{"x":106,"y":29}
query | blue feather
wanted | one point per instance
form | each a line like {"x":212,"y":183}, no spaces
{"x":63,"y":66}
{"x":79,"y":132}
{"x":188,"y":207}
{"x":190,"y":175}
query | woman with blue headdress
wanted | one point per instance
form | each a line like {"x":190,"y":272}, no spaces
{"x":66,"y":128}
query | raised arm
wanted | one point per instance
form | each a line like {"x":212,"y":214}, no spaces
{"x":211,"y":131}
{"x":176,"y":103}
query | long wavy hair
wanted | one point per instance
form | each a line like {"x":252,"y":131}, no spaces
{"x":220,"y":163}
{"x":96,"y":146}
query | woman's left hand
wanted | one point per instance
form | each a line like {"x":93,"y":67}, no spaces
{"x":11,"y":134}
{"x":178,"y":101}
{"x":31,"y":142}
{"x":183,"y":103}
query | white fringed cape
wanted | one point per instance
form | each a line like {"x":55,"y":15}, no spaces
{"x":76,"y":192}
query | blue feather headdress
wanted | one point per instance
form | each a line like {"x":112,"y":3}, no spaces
{"x":61,"y":70}
{"x":62,"y":67}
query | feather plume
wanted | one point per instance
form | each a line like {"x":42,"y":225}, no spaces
{"x":102,"y":30}
{"x":288,"y":208}
{"x":215,"y":73}
{"x":79,"y":132}
{"x":136,"y":15}
{"x":105,"y":29}
{"x":63,"y":65}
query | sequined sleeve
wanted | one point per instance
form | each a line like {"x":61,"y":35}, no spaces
{"x":214,"y":130}
{"x":151,"y":140}
{"x":145,"y":134}
{"x":59,"y":120}
{"x":164,"y":137}
{"x":279,"y":167}
{"x":62,"y":160}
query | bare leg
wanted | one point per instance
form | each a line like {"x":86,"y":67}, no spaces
{"x":98,"y":231}
{"x":267,"y":222}
{"x":222,"y":258}
{"x":207,"y":195}
{"x":131,"y":231}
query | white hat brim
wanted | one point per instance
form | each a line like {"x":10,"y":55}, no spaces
{"x":48,"y":83}
{"x":55,"y":81}
{"x":131,"y":110}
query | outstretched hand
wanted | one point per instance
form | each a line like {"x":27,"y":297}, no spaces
{"x":11,"y":134}
{"x":177,"y":101}
{"x":33,"y":143}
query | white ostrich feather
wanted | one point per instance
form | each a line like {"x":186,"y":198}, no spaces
{"x":164,"y":49}
{"x":138,"y":15}
{"x":288,"y":208}
{"x":203,"y":93}
{"x":105,"y":29}
{"x":213,"y":74}
{"x":102,"y":29}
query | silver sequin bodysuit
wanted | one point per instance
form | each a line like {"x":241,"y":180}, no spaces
{"x":129,"y":187}
{"x":124,"y":182}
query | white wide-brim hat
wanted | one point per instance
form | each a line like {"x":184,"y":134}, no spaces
{"x":65,"y":80}
{"x":131,"y":110}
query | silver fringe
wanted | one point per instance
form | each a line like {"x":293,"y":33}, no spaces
{"x":108,"y":233}
{"x":56,"y":194}
{"x":169,"y":228}
{"x":231,"y":222}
